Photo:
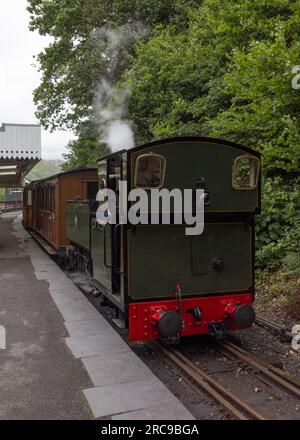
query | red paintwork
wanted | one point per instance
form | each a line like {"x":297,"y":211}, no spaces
{"x":143,"y":315}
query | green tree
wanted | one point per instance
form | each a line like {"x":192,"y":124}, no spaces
{"x":228,"y":78}
{"x":83,"y":50}
{"x":263,"y":111}
{"x":206,"y":67}
{"x":84,"y":151}
{"x":73,"y":63}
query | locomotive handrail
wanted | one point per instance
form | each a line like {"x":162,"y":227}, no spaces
{"x":105,"y":236}
{"x":116,"y":227}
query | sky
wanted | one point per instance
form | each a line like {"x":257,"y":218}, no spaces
{"x":18,"y":76}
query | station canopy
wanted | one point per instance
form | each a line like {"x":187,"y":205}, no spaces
{"x":20,"y":151}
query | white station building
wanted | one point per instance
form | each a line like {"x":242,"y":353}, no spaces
{"x":20,"y":151}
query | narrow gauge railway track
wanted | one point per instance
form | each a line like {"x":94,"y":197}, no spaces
{"x":235,"y":406}
{"x":232,"y":403}
{"x":258,"y":366}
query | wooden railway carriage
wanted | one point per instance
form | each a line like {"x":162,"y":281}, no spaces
{"x":169,"y":284}
{"x":45,"y":205}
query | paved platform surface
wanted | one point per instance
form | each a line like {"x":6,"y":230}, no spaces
{"x":39,"y":377}
{"x":63,"y":359}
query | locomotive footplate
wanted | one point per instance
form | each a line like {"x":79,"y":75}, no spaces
{"x":191,"y":316}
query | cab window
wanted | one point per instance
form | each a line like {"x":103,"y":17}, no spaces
{"x":245,"y":173}
{"x":150,"y":171}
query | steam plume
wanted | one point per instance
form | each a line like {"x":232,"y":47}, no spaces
{"x":111,"y":103}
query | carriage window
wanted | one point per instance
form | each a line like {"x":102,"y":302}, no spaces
{"x":245,"y":173}
{"x":92,"y":189}
{"x":150,"y":171}
{"x":43,"y":198}
{"x":46,"y":200}
{"x":52,"y":198}
{"x":28,"y":197}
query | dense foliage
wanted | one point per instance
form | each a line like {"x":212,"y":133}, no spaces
{"x":228,"y":75}
{"x":72,"y":65}
{"x":202,"y":67}
{"x":278,"y":226}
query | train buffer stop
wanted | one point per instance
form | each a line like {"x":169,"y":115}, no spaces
{"x":62,"y":359}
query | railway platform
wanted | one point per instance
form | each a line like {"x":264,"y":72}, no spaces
{"x":62,"y":359}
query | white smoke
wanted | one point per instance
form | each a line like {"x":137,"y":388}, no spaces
{"x":111,"y":103}
{"x":110,"y":113}
{"x":120,"y":135}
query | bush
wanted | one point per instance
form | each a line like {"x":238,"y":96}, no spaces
{"x":278,"y":226}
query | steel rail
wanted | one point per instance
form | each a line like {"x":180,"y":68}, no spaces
{"x":274,"y":326}
{"x":291,"y":384}
{"x":221,"y":394}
